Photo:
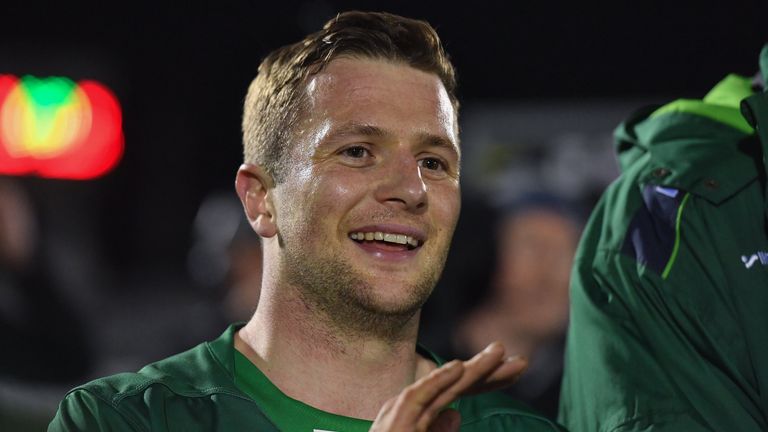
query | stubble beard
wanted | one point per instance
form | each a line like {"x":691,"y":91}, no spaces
{"x":344,"y":300}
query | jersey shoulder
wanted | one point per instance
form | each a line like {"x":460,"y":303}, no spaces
{"x":496,"y":411}
{"x":193,"y":372}
{"x":193,"y":390}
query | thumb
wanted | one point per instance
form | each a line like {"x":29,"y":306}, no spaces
{"x":448,"y":420}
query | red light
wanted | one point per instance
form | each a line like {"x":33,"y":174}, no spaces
{"x":55,"y":128}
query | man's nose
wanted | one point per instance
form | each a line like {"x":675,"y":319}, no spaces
{"x":402,"y":184}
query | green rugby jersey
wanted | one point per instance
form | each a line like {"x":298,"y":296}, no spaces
{"x":669,"y":291}
{"x":213,"y":387}
{"x":493,"y":412}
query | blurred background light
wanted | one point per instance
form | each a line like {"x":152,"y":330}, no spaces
{"x":56,"y":128}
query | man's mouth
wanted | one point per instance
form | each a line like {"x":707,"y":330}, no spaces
{"x":385,"y":238}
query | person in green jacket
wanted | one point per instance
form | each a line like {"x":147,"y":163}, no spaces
{"x":669,"y":289}
{"x":351,"y":179}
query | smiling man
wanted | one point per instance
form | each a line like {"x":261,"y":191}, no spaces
{"x":351,"y":178}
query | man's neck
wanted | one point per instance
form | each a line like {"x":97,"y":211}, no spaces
{"x":342,"y":373}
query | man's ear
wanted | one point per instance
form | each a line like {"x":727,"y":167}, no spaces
{"x":254,"y":187}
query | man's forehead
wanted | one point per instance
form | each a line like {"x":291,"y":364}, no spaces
{"x":350,"y":75}
{"x":360,"y":85}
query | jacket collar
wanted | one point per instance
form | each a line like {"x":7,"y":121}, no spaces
{"x":702,"y":146}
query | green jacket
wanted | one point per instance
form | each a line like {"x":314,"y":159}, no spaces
{"x":669,"y":292}
{"x":198,"y":391}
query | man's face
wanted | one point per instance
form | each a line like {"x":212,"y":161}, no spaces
{"x":371,"y":192}
{"x":535,"y":257}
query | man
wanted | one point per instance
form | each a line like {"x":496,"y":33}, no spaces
{"x":526,"y":307}
{"x":670,"y":286}
{"x":351,"y":178}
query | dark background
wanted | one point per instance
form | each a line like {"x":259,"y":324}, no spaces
{"x":181,"y":69}
{"x":110,"y":288}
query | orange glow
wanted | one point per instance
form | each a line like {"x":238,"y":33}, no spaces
{"x":55,"y":128}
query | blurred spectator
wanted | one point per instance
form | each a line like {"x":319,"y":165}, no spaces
{"x":466,"y":275}
{"x":44,"y":344}
{"x":527,"y":306}
{"x":226,"y":256}
{"x":36,"y":324}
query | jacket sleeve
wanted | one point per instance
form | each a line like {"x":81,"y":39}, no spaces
{"x":84,"y":411}
{"x":615,"y":380}
{"x":661,"y":351}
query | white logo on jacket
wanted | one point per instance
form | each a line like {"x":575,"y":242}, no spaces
{"x":749,"y":261}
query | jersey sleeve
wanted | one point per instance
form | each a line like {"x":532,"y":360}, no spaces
{"x":507,"y":423}
{"x":495,"y":411}
{"x":84,"y":411}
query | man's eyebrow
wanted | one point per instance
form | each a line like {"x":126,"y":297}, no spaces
{"x":358,"y":129}
{"x":426,"y":139}
{"x":431,"y":140}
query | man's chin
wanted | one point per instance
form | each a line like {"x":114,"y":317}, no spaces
{"x":385,"y":311}
{"x":356,"y":299}
{"x":405,"y":305}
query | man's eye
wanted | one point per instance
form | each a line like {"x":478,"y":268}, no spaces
{"x":356,"y":152}
{"x":433,"y":164}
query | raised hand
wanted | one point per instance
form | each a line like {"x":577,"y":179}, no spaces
{"x":419,"y":407}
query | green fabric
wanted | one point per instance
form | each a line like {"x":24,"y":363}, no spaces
{"x":720,"y":104}
{"x":755,"y":110}
{"x":764,"y":65}
{"x":686,"y":352}
{"x":287,"y":413}
{"x":676,"y":248}
{"x":197,"y":391}
{"x":290,"y":414}
{"x":191,"y":391}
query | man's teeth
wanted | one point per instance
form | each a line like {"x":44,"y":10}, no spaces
{"x":387,"y":237}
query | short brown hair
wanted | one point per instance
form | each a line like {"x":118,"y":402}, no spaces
{"x":276,"y":97}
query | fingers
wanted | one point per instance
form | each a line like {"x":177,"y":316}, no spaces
{"x":420,"y":404}
{"x":425,"y":390}
{"x":507,"y":372}
{"x":413,"y":406}
{"x":476,"y":370}
{"x":488,"y":370}
{"x":431,"y":389}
